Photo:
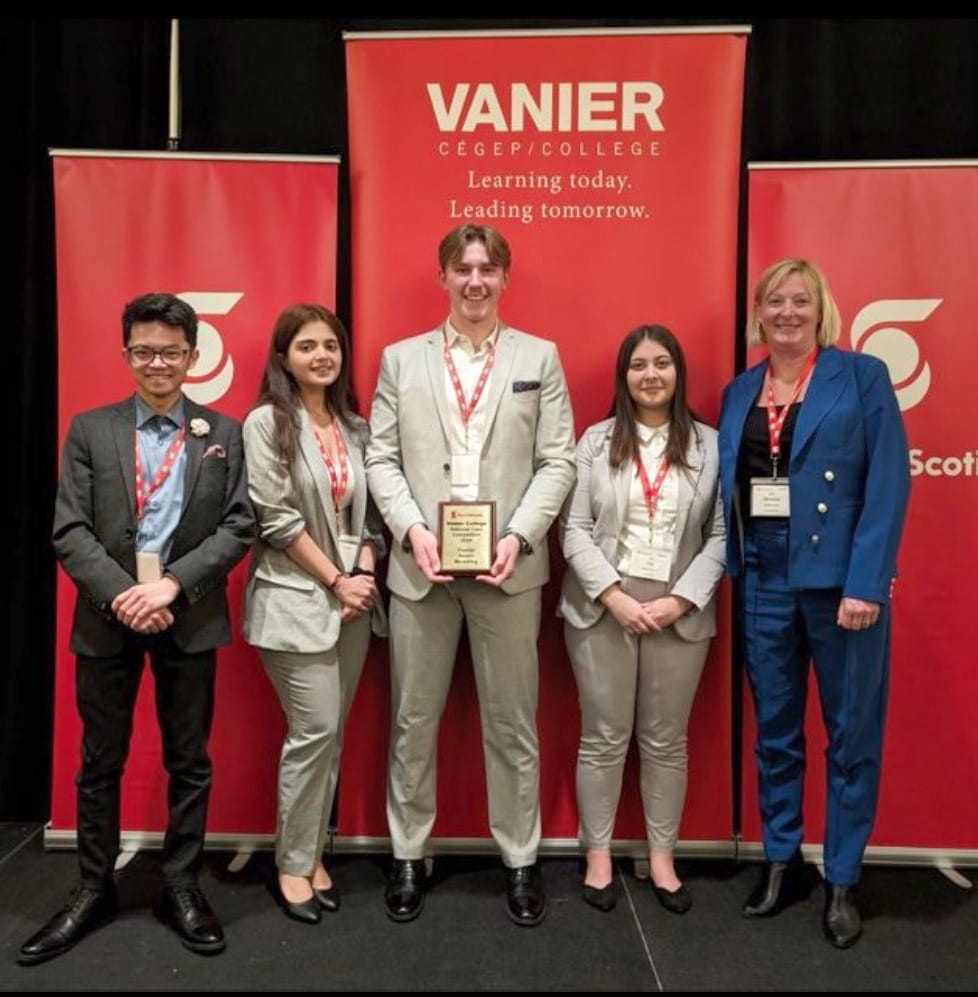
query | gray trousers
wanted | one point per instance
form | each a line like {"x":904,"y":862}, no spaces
{"x":424,"y":635}
{"x":316,"y":691}
{"x":646,"y":683}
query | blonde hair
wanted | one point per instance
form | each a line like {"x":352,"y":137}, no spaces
{"x":829,"y":323}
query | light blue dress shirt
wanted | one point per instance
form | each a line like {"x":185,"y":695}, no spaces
{"x":162,"y":513}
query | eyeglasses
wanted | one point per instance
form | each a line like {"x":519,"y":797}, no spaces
{"x":142,"y":356}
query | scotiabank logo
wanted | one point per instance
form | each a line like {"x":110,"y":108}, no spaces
{"x":873,"y":332}
{"x":911,"y":375}
{"x":214,"y":371}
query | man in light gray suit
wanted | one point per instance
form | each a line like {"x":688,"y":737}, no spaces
{"x":152,"y":513}
{"x":471,"y":411}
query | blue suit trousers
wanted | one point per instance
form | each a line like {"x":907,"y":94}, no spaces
{"x":784,"y":629}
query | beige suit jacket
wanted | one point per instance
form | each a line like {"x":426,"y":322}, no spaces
{"x":592,"y":521}
{"x":286,"y":609}
{"x":527,"y":460}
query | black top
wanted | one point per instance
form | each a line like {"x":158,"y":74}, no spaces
{"x":754,"y":460}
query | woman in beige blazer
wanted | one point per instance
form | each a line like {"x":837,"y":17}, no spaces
{"x":643,"y":536}
{"x":311,"y":594}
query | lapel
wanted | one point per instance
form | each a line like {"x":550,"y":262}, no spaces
{"x":435,"y":363}
{"x":739,"y":402}
{"x":826,"y":385}
{"x":689,"y":479}
{"x":358,"y":510}
{"x":195,"y":447}
{"x":309,"y":449}
{"x":124,"y":435}
{"x":501,"y":375}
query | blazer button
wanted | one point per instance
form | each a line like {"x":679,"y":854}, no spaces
{"x":814,"y":538}
{"x":446,"y":467}
{"x":830,"y":475}
{"x":822,"y":507}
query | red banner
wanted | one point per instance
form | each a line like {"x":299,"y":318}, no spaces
{"x":899,"y":246}
{"x":238,"y":240}
{"x":610,"y":162}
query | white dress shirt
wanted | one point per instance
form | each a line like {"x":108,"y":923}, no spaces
{"x":635,"y":528}
{"x":467,"y":438}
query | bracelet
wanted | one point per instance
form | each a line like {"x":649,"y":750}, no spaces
{"x":336,"y":580}
{"x":361,"y":571}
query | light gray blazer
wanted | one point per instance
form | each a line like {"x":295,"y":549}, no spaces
{"x":527,"y":461}
{"x":285,"y":608}
{"x":592,"y":520}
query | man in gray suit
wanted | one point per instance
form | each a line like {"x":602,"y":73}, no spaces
{"x":152,"y":513}
{"x":471,"y":411}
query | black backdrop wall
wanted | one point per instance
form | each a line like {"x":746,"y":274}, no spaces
{"x":830,"y":89}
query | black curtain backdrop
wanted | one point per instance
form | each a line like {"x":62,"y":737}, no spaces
{"x":831,"y":89}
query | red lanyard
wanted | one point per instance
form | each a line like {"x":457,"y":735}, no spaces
{"x":466,"y":409}
{"x":651,"y":491}
{"x":143,"y":493}
{"x":775,"y":422}
{"x":338,"y":477}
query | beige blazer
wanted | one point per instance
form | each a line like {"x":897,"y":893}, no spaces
{"x":527,"y":460}
{"x":592,"y":521}
{"x":285,"y":608}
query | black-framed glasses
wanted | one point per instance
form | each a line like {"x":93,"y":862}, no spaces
{"x":142,"y":356}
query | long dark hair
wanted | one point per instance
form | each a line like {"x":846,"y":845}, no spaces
{"x":624,"y":437}
{"x":279,"y":388}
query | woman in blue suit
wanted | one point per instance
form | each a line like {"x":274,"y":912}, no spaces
{"x":815,"y":480}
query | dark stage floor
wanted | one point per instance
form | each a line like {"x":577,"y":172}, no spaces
{"x":921,"y":933}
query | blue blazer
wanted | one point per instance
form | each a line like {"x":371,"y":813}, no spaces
{"x":849,"y":475}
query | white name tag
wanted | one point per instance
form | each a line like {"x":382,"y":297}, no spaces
{"x":349,"y":548}
{"x":650,"y":562}
{"x":770,"y":497}
{"x":465,"y":469}
{"x":149,"y":568}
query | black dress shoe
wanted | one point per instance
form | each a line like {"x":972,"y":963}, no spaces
{"x":405,"y":889}
{"x":777,"y":886}
{"x":675,"y":901}
{"x":85,"y":911}
{"x":526,"y":903}
{"x":841,"y":923}
{"x":185,"y":909}
{"x":602,"y":897}
{"x":328,"y":899}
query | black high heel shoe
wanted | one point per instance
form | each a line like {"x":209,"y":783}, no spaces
{"x":603,"y":898}
{"x":328,"y":899}
{"x":304,"y":911}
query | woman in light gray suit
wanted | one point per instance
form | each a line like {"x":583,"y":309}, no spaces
{"x":311,"y":594}
{"x":644,"y":542}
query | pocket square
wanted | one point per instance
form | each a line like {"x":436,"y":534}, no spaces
{"x":215,"y":450}
{"x":526,"y":386}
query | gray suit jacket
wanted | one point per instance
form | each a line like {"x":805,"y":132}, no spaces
{"x":591,"y":523}
{"x":527,"y":460}
{"x":95,"y":526}
{"x":286,"y":609}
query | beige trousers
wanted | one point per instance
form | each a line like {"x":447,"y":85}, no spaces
{"x":316,"y":692}
{"x":646,"y":683}
{"x":424,"y":636}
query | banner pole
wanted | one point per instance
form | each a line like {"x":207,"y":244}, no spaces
{"x":173,"y":137}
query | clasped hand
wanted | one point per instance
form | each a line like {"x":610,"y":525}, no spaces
{"x":644,"y":617}
{"x":356,"y":594}
{"x":144,"y":607}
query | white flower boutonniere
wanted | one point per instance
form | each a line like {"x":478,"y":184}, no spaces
{"x":200,"y":427}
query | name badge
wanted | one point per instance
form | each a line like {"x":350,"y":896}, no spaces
{"x":652,"y":563}
{"x":465,"y":469}
{"x":349,"y":547}
{"x":770,"y":497}
{"x":149,"y":568}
